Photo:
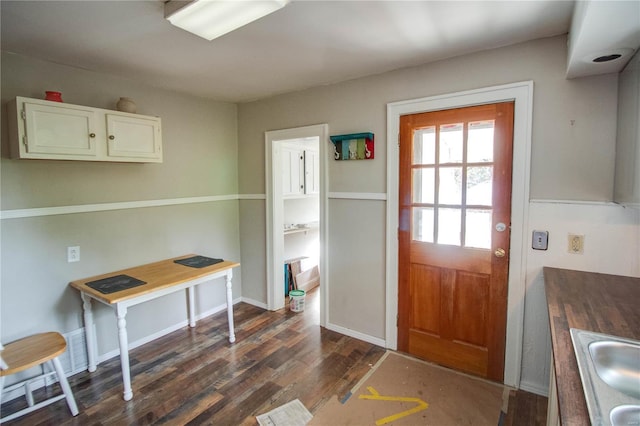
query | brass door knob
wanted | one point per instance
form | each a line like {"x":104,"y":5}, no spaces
{"x":500,"y":252}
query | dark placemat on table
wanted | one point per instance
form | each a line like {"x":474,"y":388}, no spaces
{"x":198,"y":261}
{"x":115,"y":283}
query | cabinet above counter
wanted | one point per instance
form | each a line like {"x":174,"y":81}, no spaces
{"x":627,"y":170}
{"x":46,"y":130}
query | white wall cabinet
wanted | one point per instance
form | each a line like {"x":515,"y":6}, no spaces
{"x":627,"y":177}
{"x":42,"y":129}
{"x":311,"y":172}
{"x":300,"y":171}
{"x":292,"y":171}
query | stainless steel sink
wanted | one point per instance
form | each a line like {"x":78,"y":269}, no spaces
{"x":610,"y":372}
{"x":618,"y":365}
{"x":625,"y":415}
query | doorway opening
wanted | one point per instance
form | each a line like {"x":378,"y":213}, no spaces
{"x":296,"y":212}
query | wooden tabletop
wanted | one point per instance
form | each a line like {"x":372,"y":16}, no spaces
{"x":589,"y":301}
{"x":157,"y":275}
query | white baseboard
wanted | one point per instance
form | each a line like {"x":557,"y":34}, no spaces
{"x":164,"y":332}
{"x":534,"y":388}
{"x":254,"y":303}
{"x":357,"y":335}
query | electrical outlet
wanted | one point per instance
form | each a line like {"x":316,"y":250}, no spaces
{"x":575,"y":244}
{"x":73,"y":254}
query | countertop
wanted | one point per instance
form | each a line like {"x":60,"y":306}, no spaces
{"x":590,"y":301}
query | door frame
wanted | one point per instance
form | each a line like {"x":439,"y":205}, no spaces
{"x":275,"y":213}
{"x":522,"y":94}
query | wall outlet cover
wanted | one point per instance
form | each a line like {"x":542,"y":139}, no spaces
{"x":575,"y":244}
{"x":73,"y":254}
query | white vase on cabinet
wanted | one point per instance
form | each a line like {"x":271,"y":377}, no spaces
{"x":127,"y":105}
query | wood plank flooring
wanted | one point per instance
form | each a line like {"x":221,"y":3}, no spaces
{"x":194,"y":376}
{"x":526,"y":409}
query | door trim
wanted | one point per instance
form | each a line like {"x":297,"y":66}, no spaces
{"x":275,"y":214}
{"x":522,"y":94}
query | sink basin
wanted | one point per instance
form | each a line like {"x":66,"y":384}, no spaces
{"x":610,"y":373}
{"x":618,"y":365}
{"x":625,"y":415}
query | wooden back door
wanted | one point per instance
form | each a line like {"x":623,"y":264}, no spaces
{"x":455,"y":209}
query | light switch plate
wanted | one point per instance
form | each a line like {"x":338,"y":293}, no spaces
{"x":540,"y":240}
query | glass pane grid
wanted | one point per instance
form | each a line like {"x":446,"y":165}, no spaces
{"x":452,"y":184}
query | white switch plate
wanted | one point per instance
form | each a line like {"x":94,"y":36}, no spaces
{"x":73,"y":254}
{"x":540,"y":240}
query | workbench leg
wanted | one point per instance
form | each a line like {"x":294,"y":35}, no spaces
{"x":192,"y":306}
{"x":121,"y":313}
{"x":89,"y":331}
{"x":232,"y":334}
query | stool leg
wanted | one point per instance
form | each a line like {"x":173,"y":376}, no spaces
{"x":28,"y":393}
{"x":66,"y":389}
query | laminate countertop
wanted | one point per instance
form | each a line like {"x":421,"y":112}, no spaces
{"x":589,"y":301}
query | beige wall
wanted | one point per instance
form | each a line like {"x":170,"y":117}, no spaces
{"x":200,"y":159}
{"x":213,"y":148}
{"x":573,"y":142}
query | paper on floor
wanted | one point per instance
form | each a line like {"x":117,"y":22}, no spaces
{"x":292,"y":413}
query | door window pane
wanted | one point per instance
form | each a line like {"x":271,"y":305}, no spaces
{"x":422,"y":227}
{"x":478,"y":229}
{"x":423,"y":186}
{"x":451,"y":140}
{"x":479,"y":185}
{"x":450,"y":185}
{"x":424,"y":146}
{"x":480,"y":143}
{"x":449,"y":226}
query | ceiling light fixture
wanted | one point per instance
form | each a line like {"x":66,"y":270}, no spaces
{"x":210,"y":19}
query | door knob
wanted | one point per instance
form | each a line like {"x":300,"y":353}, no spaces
{"x":500,"y":252}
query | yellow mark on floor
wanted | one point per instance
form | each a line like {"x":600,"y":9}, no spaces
{"x":375,"y":396}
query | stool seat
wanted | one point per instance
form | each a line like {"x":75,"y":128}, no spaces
{"x":32,"y":351}
{"x":29,"y":352}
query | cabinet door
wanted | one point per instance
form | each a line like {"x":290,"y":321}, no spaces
{"x":627,"y":173}
{"x":311,"y":172}
{"x":292,"y":172}
{"x":133,"y":138}
{"x":58,"y":132}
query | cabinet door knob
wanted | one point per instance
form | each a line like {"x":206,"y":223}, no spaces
{"x":111,"y":137}
{"x":92,"y":135}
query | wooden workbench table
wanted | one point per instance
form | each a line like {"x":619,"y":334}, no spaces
{"x":161,"y":278}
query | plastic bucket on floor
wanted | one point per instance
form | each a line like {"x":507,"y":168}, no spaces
{"x":296,"y":300}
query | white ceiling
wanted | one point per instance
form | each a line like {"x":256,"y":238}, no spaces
{"x":306,"y":44}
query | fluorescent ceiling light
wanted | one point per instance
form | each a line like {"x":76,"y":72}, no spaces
{"x":210,"y":19}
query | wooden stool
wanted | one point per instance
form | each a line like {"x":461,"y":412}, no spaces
{"x":30,"y":352}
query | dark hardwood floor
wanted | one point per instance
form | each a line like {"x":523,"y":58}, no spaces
{"x":195,"y":376}
{"x":526,"y":409}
